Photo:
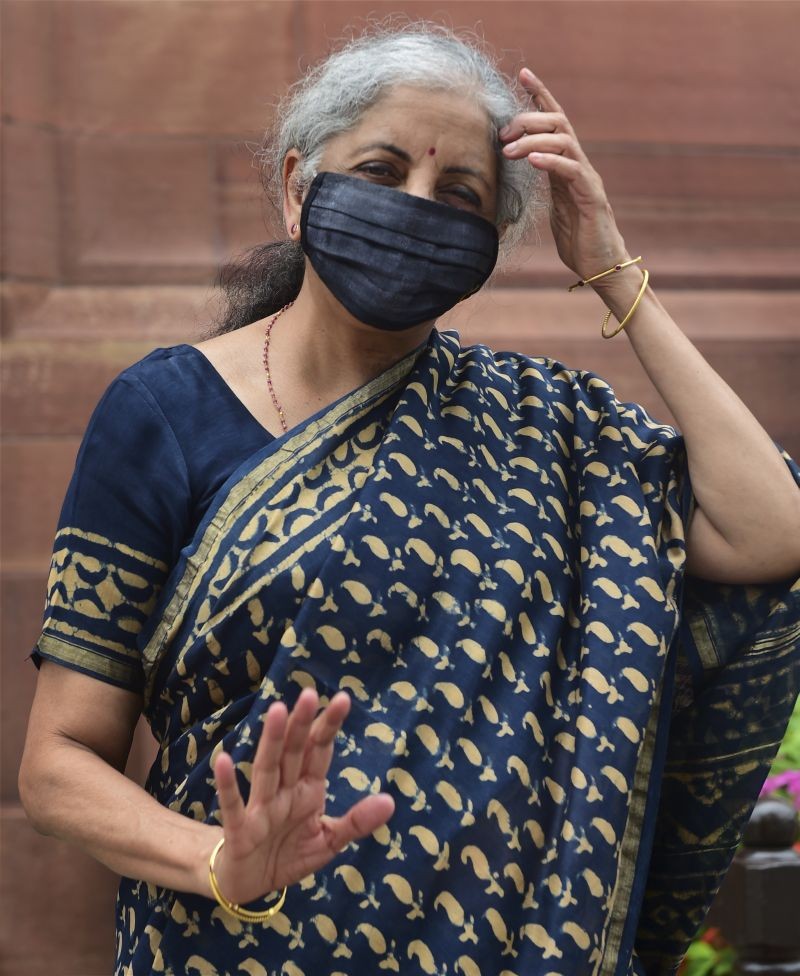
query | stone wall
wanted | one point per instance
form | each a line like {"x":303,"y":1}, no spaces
{"x":126,"y":181}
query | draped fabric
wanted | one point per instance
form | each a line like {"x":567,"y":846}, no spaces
{"x":486,"y":551}
{"x":742,"y":647}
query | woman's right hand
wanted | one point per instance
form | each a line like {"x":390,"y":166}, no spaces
{"x":282,"y":834}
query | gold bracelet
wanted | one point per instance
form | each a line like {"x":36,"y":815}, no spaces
{"x":243,"y":914}
{"x":624,"y":322}
{"x":617,"y":267}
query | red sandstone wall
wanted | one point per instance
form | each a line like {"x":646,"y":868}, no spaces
{"x":126,"y":181}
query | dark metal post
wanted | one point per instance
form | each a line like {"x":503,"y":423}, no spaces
{"x":757,"y":909}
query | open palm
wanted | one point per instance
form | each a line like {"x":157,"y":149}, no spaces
{"x":282,"y":834}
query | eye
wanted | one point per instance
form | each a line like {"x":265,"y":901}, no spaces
{"x":378,"y":170}
{"x":462,"y":194}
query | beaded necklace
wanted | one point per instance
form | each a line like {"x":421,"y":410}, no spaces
{"x":267,"y":335}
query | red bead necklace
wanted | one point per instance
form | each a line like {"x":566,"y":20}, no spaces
{"x":267,"y":335}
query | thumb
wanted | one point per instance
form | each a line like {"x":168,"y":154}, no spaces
{"x":361,"y":819}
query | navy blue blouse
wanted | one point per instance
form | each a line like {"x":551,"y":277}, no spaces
{"x":165,"y":436}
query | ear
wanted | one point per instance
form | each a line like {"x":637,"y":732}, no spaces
{"x":501,"y":230}
{"x":292,"y":195}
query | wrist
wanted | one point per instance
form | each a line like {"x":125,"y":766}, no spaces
{"x":200,"y":861}
{"x":601,"y":263}
{"x":619,"y":290}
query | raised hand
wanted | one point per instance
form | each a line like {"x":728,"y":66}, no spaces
{"x":581,"y":217}
{"x":282,"y":834}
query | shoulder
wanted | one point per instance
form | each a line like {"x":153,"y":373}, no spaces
{"x":135,"y":411}
{"x":551,"y":393}
{"x":174,"y":388}
{"x":524,"y":372}
{"x":129,"y":439}
{"x":166,"y":376}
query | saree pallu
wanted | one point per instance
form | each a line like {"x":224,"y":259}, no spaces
{"x":486,"y":551}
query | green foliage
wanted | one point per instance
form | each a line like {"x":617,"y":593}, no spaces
{"x":788,"y":757}
{"x":709,"y":955}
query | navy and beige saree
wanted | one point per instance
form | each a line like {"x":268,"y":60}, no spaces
{"x":486,"y":551}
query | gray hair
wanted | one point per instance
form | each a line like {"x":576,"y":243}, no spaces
{"x":334,"y":94}
{"x":332,"y":97}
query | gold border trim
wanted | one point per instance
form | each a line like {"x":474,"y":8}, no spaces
{"x":61,"y":630}
{"x":63,"y":652}
{"x":703,"y":640}
{"x":292,"y":450}
{"x":631,"y":839}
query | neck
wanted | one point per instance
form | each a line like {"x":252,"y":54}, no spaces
{"x":327,"y":352}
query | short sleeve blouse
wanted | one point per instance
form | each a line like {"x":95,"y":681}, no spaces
{"x":165,"y":436}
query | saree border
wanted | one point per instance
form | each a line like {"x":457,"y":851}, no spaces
{"x":639,"y":827}
{"x":91,"y":662}
{"x":287,"y":450}
{"x":103,"y":541}
{"x":619,"y":934}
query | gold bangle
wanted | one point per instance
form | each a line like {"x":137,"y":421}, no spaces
{"x":617,"y":267}
{"x":624,"y":322}
{"x":243,"y":914}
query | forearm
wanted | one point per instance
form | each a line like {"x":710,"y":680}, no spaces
{"x":741,"y":483}
{"x":71,"y":793}
{"x":747,"y":526}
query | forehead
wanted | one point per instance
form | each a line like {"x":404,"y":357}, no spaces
{"x":418,"y":118}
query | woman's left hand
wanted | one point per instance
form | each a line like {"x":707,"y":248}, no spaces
{"x":581,"y":217}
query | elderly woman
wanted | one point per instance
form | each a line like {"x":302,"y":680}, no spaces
{"x":445,"y":649}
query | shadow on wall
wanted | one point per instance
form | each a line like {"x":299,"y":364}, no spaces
{"x":127,"y":182}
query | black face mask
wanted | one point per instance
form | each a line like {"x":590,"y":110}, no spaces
{"x":392,"y":259}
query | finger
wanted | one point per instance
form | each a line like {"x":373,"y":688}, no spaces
{"x":557,"y":143}
{"x":568,"y":169}
{"x":320,"y":745}
{"x":584,"y":183}
{"x":530,"y":123}
{"x":267,"y":762}
{"x":231,"y":805}
{"x":359,"y":821}
{"x":297,"y":730}
{"x":536,"y":88}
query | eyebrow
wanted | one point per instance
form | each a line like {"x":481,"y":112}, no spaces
{"x":468,"y":171}
{"x":395,"y":150}
{"x":402,"y":154}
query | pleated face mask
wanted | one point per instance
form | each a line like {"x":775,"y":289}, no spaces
{"x":392,"y":259}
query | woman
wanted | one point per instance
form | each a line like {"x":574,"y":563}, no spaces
{"x":538,"y":747}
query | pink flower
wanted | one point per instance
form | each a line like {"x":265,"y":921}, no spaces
{"x":788,"y":781}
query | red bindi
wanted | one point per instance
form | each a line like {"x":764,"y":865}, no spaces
{"x":432,"y":151}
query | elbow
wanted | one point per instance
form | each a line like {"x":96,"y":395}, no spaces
{"x":764,"y":551}
{"x":785,"y":561}
{"x":787,"y":542}
{"x":35,"y":794}
{"x":772,"y":560}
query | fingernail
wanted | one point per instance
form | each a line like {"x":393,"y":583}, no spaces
{"x":510,"y":147}
{"x":505,"y":131}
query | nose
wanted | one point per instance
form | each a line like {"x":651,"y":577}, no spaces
{"x":421,"y":181}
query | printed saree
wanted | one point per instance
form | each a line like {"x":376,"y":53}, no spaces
{"x":486,"y":551}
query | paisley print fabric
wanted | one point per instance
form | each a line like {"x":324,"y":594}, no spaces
{"x":486,"y":551}
{"x":99,"y":594}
